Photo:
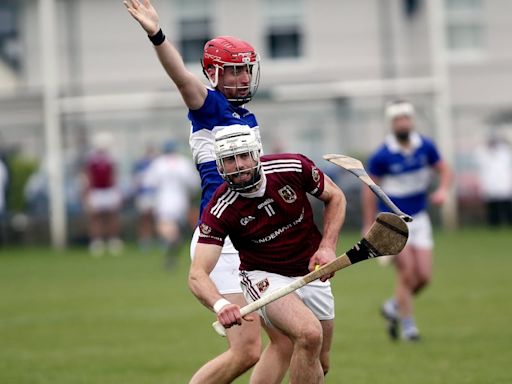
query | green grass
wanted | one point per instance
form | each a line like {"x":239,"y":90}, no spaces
{"x":68,"y":318}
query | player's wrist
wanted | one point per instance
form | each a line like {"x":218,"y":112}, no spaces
{"x":327,"y":248}
{"x":219,"y":304}
{"x":158,"y":37}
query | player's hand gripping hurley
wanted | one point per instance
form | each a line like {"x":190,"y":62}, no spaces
{"x":387,"y":236}
{"x":355,"y":167}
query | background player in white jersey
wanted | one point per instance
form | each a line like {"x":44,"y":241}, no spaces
{"x":144,"y":198}
{"x":174,"y":180}
{"x":402,"y":166}
{"x":232,"y":68}
{"x":264,"y":208}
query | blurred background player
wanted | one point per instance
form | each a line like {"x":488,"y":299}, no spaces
{"x":232,"y":69}
{"x":4,"y":179}
{"x":102,"y":198}
{"x":173,"y":178}
{"x":402,"y":167}
{"x":264,"y":207}
{"x":144,"y":198}
{"x":495,"y":175}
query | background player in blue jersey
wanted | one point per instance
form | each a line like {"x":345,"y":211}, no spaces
{"x":402,"y":166}
{"x":232,"y":68}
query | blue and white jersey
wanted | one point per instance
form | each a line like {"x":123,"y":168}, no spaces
{"x":139,"y":172}
{"x":215,"y":114}
{"x":405,"y":175}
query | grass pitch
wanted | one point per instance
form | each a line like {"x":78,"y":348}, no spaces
{"x":69,"y":318}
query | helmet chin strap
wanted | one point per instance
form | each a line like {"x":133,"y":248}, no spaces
{"x":248,"y":185}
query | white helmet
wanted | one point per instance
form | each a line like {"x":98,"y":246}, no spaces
{"x":235,"y":140}
{"x":102,"y":141}
{"x":399,"y":108}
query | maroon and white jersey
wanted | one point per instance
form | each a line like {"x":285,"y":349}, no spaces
{"x":273,"y":231}
{"x":100,"y":170}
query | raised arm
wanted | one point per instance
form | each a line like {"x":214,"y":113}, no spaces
{"x":192,"y":90}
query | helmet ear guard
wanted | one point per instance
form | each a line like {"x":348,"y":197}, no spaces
{"x":215,"y":81}
{"x":231,"y":142}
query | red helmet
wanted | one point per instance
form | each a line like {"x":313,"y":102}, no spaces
{"x":230,"y":51}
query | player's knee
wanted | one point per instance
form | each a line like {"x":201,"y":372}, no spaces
{"x":420,"y":285}
{"x":310,"y":338}
{"x":248,"y":357}
{"x":408,"y":281}
{"x":247,"y":350}
{"x":423,"y":278}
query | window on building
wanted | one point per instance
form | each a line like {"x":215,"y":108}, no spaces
{"x":464,"y":26}
{"x":195,"y":25}
{"x":284,"y":35}
{"x":411,"y":7}
{"x":10,"y":45}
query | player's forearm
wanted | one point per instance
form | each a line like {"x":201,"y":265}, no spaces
{"x":334,"y":217}
{"x":203,"y":288}
{"x":173,"y":64}
{"x":445,"y":176}
{"x":192,"y":90}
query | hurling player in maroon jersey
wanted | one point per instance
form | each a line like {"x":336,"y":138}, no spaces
{"x":232,"y":68}
{"x":263,"y":207}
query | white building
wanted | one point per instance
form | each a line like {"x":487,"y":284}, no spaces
{"x":105,"y":57}
{"x":328,"y":67}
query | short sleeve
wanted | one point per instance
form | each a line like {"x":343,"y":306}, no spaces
{"x":210,"y":235}
{"x":207,"y":114}
{"x":432,"y":152}
{"x":212,"y":230}
{"x":312,"y":176}
{"x":377,"y":165}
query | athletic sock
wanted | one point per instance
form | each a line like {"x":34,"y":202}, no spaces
{"x":409,"y":330}
{"x":171,"y":250}
{"x":408,"y":323}
{"x":115,"y":246}
{"x":391,"y":307}
{"x":97,"y":247}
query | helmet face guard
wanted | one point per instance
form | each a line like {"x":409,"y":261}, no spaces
{"x":240,"y":94}
{"x":227,"y":51}
{"x":232,"y":144}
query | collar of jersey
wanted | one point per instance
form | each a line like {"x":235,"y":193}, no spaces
{"x":395,"y":147}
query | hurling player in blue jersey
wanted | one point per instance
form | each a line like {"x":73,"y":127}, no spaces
{"x":402,"y":166}
{"x":232,"y":69}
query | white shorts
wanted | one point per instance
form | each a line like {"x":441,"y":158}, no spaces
{"x":169,"y":213}
{"x":145,"y":202}
{"x":420,"y":231}
{"x":104,"y":199}
{"x":317,"y":295}
{"x":225,"y":273}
